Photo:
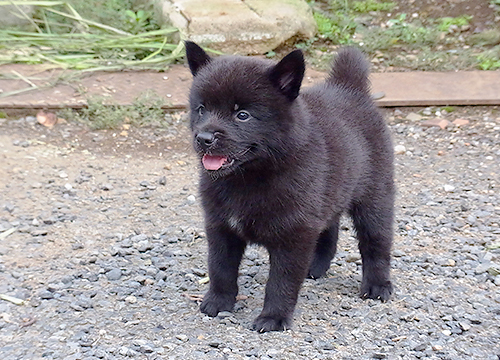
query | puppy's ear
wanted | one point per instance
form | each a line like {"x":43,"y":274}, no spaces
{"x":287,"y":75}
{"x":196,"y":56}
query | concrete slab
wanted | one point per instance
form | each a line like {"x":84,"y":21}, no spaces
{"x":241,"y":26}
{"x":398,"y":89}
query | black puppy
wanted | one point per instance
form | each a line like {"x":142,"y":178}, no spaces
{"x":279,"y":169}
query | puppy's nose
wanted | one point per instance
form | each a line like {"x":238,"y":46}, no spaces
{"x":206,"y":139}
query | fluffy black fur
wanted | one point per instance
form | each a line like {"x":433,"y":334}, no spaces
{"x":289,"y":165}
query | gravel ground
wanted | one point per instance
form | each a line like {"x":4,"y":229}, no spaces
{"x":101,"y":235}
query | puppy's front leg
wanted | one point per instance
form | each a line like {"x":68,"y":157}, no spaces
{"x":224,"y":255}
{"x":287,"y":272}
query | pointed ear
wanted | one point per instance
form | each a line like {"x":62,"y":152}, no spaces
{"x":287,"y":75}
{"x":196,"y":57}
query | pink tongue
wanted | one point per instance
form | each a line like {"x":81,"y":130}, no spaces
{"x":211,"y":162}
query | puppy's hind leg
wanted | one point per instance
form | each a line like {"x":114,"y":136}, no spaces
{"x":326,"y":248}
{"x":373,"y":222}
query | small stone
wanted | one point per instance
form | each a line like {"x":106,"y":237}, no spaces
{"x":114,"y":274}
{"x":437,"y":347}
{"x":77,"y":246}
{"x":398,"y":253}
{"x":162,"y":180}
{"x":68,"y":186}
{"x":106,"y":187}
{"x":199,"y":272}
{"x":446,"y":332}
{"x":352,"y":258}
{"x":482,"y":268}
{"x":224,"y":314}
{"x":420,"y":347}
{"x":326,"y":345}
{"x":449,"y":262}
{"x":464,"y":326}
{"x":143,"y":246}
{"x":131,"y":299}
{"x":46,"y":294}
{"x":191,"y":199}
{"x":379,"y":356}
{"x":400,"y":149}
{"x":413,"y":117}
{"x":460,"y":122}
{"x":182,"y":337}
{"x":39,"y":232}
{"x":449,"y":188}
{"x":441,"y":123}
{"x":63,"y":175}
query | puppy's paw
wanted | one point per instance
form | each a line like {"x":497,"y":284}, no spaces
{"x":376,"y":291}
{"x":318,"y":270}
{"x":213,"y":304}
{"x":271,"y":323}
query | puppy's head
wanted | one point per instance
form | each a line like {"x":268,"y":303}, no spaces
{"x":240,"y":108}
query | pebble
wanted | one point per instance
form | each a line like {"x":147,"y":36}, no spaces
{"x":131,"y":299}
{"x":106,"y":187}
{"x":413,"y":117}
{"x":114,"y":274}
{"x":191,"y":199}
{"x":400,"y":149}
{"x":449,"y":188}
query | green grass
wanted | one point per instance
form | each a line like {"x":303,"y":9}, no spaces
{"x":337,"y":29}
{"x":490,"y":59}
{"x":446,"y":22}
{"x":372,"y":5}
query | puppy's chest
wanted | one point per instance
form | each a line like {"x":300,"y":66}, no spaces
{"x":253,"y":227}
{"x":254,"y":220}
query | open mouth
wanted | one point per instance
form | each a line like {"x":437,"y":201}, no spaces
{"x":216,"y":162}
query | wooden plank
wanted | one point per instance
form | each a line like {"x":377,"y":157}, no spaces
{"x":434,"y":88}
{"x":399,"y":89}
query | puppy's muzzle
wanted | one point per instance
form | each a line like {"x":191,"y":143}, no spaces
{"x":206,"y":139}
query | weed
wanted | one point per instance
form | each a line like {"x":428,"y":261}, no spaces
{"x":449,"y":109}
{"x":372,"y":5}
{"x":490,"y":59}
{"x":3,"y":115}
{"x":397,"y":32}
{"x":446,"y":22}
{"x":336,"y":28}
{"x":486,"y":38}
{"x":101,"y":114}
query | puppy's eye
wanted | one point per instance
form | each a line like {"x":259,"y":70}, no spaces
{"x":201,"y":110}
{"x":243,"y":116}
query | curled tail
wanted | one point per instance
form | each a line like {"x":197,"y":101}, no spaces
{"x":350,"y":70}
